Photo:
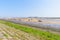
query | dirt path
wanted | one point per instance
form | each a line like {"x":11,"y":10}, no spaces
{"x":8,"y":33}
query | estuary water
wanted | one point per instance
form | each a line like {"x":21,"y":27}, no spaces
{"x":52,"y":26}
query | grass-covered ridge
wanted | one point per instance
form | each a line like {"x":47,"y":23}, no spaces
{"x":38,"y":33}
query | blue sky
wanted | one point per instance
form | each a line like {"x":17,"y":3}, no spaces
{"x":27,"y":8}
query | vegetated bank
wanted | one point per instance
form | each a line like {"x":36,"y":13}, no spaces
{"x":43,"y":35}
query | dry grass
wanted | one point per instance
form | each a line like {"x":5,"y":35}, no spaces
{"x":7,"y":32}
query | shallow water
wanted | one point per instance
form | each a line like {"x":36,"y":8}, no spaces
{"x":39,"y":25}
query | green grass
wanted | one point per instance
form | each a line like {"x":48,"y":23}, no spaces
{"x":38,"y":33}
{"x":5,"y":35}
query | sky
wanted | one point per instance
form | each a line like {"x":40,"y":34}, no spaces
{"x":29,"y":8}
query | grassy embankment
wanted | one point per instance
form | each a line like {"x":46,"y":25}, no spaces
{"x":43,"y":35}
